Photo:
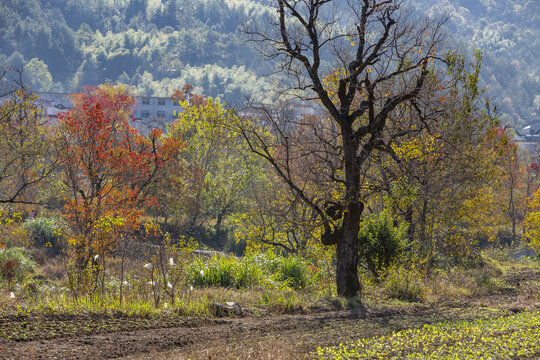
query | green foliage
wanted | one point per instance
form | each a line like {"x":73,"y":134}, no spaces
{"x":263,"y":269}
{"x":225,"y":271}
{"x":46,"y":232}
{"x":214,"y":176}
{"x":507,"y":337}
{"x":156,"y":46}
{"x":290,"y":270}
{"x":381,"y":242}
{"x":37,"y":76}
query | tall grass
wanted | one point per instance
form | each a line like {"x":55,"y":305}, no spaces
{"x":267,"y":269}
{"x":225,"y":271}
{"x":289,"y":270}
{"x":267,"y":281}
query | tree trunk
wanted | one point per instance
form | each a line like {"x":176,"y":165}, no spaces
{"x":219,"y":241}
{"x":423,"y":224}
{"x":219,"y":221}
{"x":348,"y":284}
{"x":512,"y":213}
{"x":409,"y":220}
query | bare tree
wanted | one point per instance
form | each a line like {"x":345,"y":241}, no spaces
{"x":363,"y":61}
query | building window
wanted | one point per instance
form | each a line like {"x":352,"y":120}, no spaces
{"x":161,"y":114}
{"x":146,"y":101}
{"x":145,"y":114}
{"x":161,"y":102}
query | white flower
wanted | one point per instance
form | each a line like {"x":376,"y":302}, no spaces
{"x":171,"y":262}
{"x":169,"y":285}
{"x":191,"y":287}
{"x":96,"y":257}
{"x":202,"y":272}
{"x":148,"y":266}
{"x":165,"y":305}
{"x":12,"y":295}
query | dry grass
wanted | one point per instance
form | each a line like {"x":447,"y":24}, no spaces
{"x":275,"y":349}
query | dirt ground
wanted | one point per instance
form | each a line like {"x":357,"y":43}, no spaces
{"x":275,"y":337}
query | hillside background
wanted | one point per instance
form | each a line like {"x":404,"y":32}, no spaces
{"x":157,"y":46}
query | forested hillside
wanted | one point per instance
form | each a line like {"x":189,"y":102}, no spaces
{"x":153,"y":45}
{"x":160,"y":45}
{"x":508,"y":33}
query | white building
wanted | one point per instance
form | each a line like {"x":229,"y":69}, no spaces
{"x":149,"y":112}
{"x":155,"y":112}
{"x":529,"y":137}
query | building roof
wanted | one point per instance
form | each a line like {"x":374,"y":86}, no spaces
{"x":533,"y":128}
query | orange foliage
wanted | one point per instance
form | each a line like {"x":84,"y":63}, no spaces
{"x":107,"y":164}
{"x":186,"y":94}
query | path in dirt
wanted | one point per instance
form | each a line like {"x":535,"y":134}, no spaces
{"x":276,"y":337}
{"x":283,"y":336}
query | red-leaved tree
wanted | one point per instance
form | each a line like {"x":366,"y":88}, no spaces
{"x":106,"y":165}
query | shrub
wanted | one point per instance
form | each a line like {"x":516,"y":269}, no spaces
{"x":46,"y":233}
{"x":381,"y":243}
{"x":15,"y":265}
{"x":293,"y":270}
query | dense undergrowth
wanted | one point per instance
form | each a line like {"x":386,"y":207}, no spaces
{"x":166,"y":277}
{"x":191,"y":285}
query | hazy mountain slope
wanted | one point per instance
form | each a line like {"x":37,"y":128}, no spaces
{"x":159,"y":45}
{"x":508,"y":32}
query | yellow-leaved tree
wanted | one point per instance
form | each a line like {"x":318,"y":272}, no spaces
{"x":25,"y":151}
{"x":532,"y":222}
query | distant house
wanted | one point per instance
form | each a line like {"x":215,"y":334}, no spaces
{"x":155,"y":112}
{"x":149,"y":112}
{"x":529,"y":136}
{"x":53,"y":103}
{"x":532,"y":131}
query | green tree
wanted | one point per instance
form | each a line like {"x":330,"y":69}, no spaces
{"x":382,"y":242}
{"x":37,"y":76}
{"x":214,"y":175}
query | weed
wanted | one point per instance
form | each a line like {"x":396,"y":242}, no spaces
{"x":225,"y":271}
{"x":290,"y":270}
{"x":505,"y":337}
{"x":404,"y":284}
